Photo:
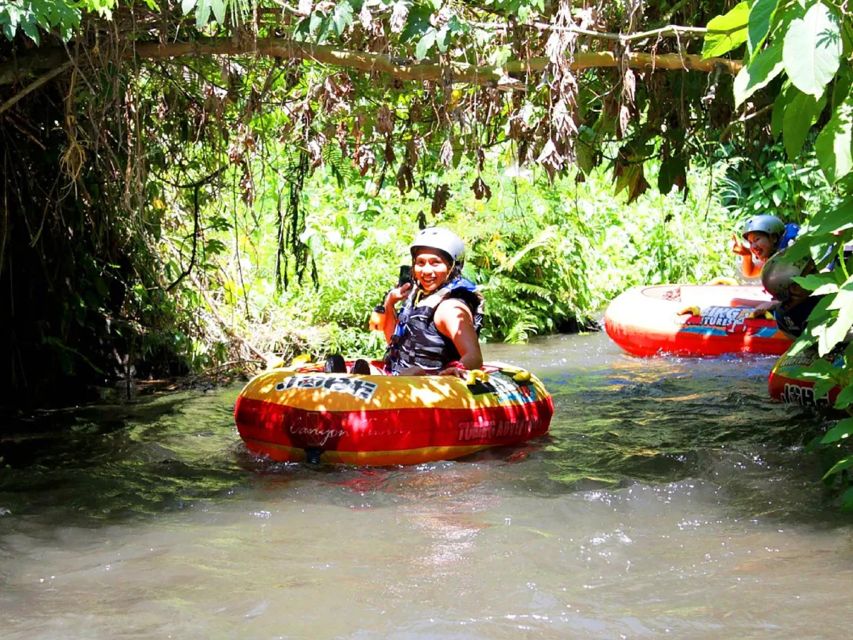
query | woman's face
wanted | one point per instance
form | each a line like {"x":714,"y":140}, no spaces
{"x":429,"y":269}
{"x":761,"y":245}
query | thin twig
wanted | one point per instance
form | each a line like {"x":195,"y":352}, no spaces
{"x":668,"y":31}
{"x":23,"y":93}
{"x":744,"y":118}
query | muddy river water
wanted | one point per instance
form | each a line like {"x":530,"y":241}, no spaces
{"x":671,"y":499}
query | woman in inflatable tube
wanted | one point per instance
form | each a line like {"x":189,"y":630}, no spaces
{"x":437,"y":328}
{"x":432,"y":398}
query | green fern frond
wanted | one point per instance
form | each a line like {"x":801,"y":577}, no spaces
{"x":520,"y":331}
{"x":542,"y":240}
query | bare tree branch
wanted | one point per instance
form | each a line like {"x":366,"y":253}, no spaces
{"x":400,"y":68}
{"x":50,"y":75}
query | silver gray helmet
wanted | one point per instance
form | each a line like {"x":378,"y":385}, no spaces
{"x":778,"y":273}
{"x":764,"y":223}
{"x":442,"y":239}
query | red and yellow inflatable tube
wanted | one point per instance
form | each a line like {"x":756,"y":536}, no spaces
{"x":788,"y":383}
{"x":693,"y":320}
{"x":303,"y":413}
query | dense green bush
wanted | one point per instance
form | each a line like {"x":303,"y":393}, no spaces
{"x":548,"y":257}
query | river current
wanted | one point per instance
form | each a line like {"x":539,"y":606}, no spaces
{"x":671,"y":499}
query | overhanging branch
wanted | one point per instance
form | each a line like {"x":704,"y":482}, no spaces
{"x":409,"y":70}
{"x":511,"y":74}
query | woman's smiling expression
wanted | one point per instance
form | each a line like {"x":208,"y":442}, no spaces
{"x":761,"y":244}
{"x":430,"y":269}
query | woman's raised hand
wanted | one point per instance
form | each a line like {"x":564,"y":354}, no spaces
{"x":398,"y":293}
{"x":737,"y":246}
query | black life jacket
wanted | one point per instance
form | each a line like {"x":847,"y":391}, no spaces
{"x":417,"y":341}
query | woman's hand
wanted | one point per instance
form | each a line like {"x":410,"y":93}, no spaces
{"x":762,"y":309}
{"x":398,"y":293}
{"x":738,"y":246}
{"x":459,"y":372}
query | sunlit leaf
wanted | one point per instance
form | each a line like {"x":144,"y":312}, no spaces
{"x":441,"y":39}
{"x":29,"y":27}
{"x":218,"y":8}
{"x":425,"y":44}
{"x":834,"y":332}
{"x":726,"y":32}
{"x":202,"y":13}
{"x":758,"y":74}
{"x":820,"y":284}
{"x":812,"y":50}
{"x":342,"y":17}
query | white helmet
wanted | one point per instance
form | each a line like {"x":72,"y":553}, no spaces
{"x":442,"y":239}
{"x":764,"y":223}
{"x":778,"y":273}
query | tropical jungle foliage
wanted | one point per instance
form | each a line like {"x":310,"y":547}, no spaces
{"x":150,"y":147}
{"x":546,"y":258}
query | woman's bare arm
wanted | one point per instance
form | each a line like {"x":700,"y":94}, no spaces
{"x":453,"y":318}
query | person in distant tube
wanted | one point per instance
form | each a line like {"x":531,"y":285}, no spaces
{"x":765,"y":235}
{"x":436,"y":331}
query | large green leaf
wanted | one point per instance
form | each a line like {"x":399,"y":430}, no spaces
{"x":834,"y":220}
{"x":781,"y":103}
{"x":821,"y":284}
{"x":799,"y":116}
{"x":844,"y":463}
{"x":726,"y":32}
{"x":847,"y":499}
{"x":836,"y":331}
{"x":417,"y":22}
{"x":342,"y":17}
{"x":760,"y":16}
{"x":425,"y":44}
{"x":834,"y":145}
{"x":845,"y":398}
{"x":839,"y":432}
{"x":812,"y":50}
{"x":202,"y":13}
{"x":218,"y":8}
{"x":758,"y":73}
